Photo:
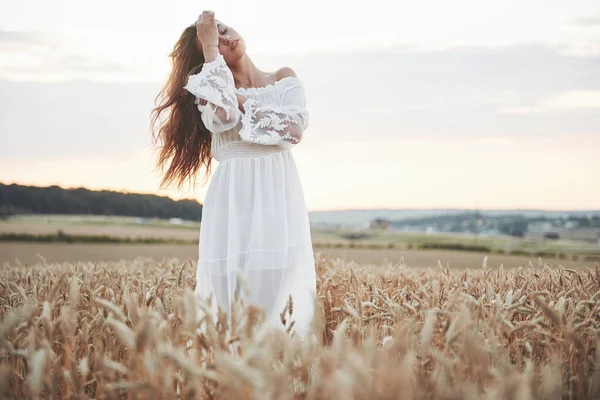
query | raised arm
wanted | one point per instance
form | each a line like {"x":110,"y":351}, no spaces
{"x":214,"y":84}
{"x":282,"y":125}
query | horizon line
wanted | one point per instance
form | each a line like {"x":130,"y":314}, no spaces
{"x":326,"y":210}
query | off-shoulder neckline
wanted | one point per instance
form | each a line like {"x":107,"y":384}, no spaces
{"x":270,"y":86}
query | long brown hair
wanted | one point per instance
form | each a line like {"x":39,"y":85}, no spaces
{"x":182,"y":138}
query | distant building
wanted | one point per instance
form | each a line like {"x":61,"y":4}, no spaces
{"x":379,"y":223}
{"x":540,"y":227}
{"x":571,"y":224}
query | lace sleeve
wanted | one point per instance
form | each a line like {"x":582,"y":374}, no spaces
{"x":215,"y":84}
{"x":276,"y":125}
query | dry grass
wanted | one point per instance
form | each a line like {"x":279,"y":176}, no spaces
{"x":120,"y":330}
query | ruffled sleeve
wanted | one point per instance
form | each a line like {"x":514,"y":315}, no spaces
{"x":215,"y":84}
{"x":281,"y":125}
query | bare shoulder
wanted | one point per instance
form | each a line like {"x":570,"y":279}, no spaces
{"x":285,"y":72}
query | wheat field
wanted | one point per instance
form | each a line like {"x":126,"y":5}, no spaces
{"x":127,"y":330}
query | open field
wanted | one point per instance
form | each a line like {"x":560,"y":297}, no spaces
{"x":130,"y":330}
{"x":166,"y":232}
{"x":97,"y":220}
{"x":505,"y":244}
{"x":380,"y":247}
{"x":60,"y":252}
{"x":389,"y":244}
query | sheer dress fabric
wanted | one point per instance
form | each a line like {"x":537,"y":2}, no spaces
{"x":254,"y":219}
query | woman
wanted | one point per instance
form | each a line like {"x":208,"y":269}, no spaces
{"x":254,"y":219}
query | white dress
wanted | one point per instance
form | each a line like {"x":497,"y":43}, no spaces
{"x":254,"y":217}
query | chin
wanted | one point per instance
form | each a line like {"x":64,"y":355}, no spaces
{"x":233,"y":56}
{"x":240,"y":48}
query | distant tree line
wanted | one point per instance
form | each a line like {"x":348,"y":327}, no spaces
{"x":19,"y":199}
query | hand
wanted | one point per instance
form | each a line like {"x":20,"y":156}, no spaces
{"x":241,"y":100}
{"x":206,"y":29}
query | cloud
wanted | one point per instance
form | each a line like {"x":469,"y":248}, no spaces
{"x":396,"y":94}
{"x":454,"y":92}
{"x":56,"y":65}
{"x":20,"y":37}
{"x":586,"y":21}
{"x":381,"y":110}
{"x":54,"y":120}
{"x":570,"y":100}
{"x":29,"y":55}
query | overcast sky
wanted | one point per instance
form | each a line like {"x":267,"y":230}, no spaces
{"x":425,"y":104}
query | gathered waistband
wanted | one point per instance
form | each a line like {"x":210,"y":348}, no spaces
{"x":246,"y":150}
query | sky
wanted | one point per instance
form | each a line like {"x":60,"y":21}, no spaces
{"x":428,"y":104}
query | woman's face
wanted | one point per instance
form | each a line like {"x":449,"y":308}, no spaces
{"x":231,"y":44}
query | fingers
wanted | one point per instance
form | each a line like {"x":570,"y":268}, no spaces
{"x":202,"y":102}
{"x":207,"y":17}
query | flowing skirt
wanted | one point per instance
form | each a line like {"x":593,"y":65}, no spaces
{"x":255,"y":223}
